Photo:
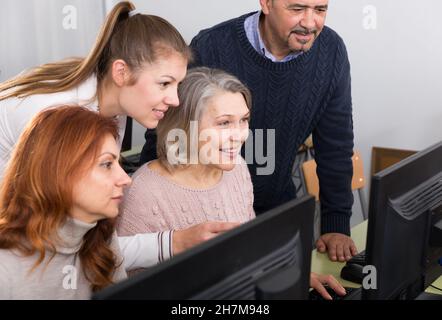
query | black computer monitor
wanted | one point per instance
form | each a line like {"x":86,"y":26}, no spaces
{"x":404,"y":214}
{"x":266,"y":258}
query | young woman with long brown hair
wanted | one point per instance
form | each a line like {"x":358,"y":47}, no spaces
{"x":58,"y":202}
{"x":133,"y":70}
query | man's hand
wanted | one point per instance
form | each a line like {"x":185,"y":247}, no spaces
{"x":339,"y":246}
{"x":187,"y":238}
{"x":317,"y":282}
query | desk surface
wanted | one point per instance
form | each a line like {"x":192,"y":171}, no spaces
{"x":133,"y":151}
{"x":321,"y":264}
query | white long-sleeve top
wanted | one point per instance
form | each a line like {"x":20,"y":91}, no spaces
{"x":139,"y":251}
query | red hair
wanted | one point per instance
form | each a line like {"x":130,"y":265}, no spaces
{"x":57,"y":147}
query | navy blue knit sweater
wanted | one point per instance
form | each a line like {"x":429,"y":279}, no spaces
{"x":310,"y":94}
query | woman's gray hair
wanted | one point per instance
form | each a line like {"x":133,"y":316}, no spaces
{"x":200,"y":85}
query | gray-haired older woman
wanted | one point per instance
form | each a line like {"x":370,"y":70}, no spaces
{"x":199,"y":176}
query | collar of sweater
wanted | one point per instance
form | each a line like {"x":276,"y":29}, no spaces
{"x":253,"y":33}
{"x":262,"y":61}
{"x":71,"y":235}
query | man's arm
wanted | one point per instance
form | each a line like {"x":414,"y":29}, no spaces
{"x":333,"y":141}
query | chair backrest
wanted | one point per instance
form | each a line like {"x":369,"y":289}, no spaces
{"x":312,"y":181}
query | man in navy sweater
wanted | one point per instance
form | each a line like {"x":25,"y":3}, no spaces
{"x":299,"y":75}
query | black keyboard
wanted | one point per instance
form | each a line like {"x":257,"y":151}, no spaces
{"x":351,"y":294}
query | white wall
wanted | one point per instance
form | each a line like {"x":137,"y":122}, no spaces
{"x":396,"y":70}
{"x":32,"y":32}
{"x":190,"y":16}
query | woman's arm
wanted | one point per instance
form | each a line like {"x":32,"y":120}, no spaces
{"x":145,"y":250}
{"x":148,"y":249}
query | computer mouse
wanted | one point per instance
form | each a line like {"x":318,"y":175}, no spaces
{"x":353,"y":272}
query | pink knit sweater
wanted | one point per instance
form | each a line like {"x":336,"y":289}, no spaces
{"x":153,"y":203}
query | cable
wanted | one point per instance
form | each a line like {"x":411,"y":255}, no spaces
{"x":437,"y":288}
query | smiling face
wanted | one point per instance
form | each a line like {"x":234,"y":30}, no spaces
{"x":293,"y":25}
{"x":223,"y":129}
{"x":155,"y":90}
{"x":99,"y":191}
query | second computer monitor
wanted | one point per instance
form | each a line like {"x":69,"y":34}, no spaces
{"x":403,"y":200}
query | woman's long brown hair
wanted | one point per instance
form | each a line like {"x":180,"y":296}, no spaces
{"x":136,"y":40}
{"x":57,"y":147}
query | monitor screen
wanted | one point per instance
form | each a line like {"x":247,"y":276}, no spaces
{"x":404,"y":203}
{"x":266,"y":258}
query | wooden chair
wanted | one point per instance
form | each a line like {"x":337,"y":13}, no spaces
{"x":358,"y":181}
{"x":382,"y":158}
{"x":304,"y":153}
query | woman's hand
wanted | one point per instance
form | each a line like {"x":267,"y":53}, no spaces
{"x":317,"y":282}
{"x":187,"y":238}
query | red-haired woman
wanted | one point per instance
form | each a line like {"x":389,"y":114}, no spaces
{"x":133,"y":70}
{"x":58,"y":201}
